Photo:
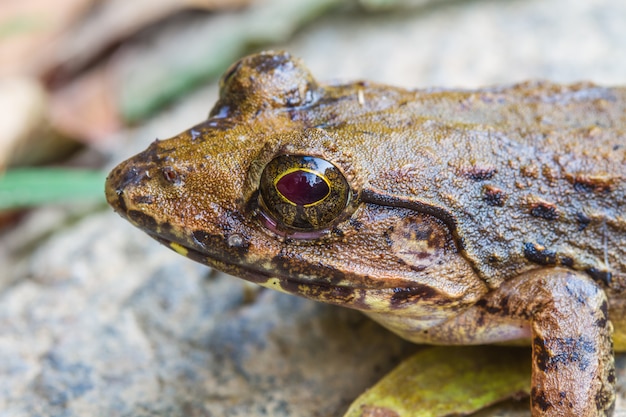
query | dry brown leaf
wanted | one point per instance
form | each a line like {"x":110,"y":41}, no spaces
{"x":26,"y":136}
{"x":29,"y":27}
{"x":109,"y":23}
{"x":85,"y":109}
{"x":23,"y":104}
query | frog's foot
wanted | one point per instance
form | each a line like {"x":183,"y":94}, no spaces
{"x":573,"y":369}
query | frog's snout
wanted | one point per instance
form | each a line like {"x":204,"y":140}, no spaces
{"x":119,"y":181}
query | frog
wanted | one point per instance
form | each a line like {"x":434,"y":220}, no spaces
{"x":449,"y":216}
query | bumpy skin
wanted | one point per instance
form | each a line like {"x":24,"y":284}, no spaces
{"x":474,"y":216}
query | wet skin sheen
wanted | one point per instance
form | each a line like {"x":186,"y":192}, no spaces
{"x":450,"y":217}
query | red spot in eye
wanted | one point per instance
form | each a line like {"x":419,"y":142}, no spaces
{"x":302,"y":187}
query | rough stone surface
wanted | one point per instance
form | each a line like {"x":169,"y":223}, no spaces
{"x":96,"y":319}
{"x":109,"y":323}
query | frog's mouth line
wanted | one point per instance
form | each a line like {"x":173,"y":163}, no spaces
{"x":360,"y":298}
{"x":256,"y":276}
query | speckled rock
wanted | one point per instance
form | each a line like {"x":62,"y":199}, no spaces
{"x":109,"y":323}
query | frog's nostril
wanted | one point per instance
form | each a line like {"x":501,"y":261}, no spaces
{"x":119,"y":182}
{"x":130,"y":177}
{"x":171,"y":175}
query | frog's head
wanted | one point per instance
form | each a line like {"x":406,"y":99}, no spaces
{"x":260,"y":192}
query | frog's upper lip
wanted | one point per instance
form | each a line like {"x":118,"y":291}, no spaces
{"x":258,"y":276}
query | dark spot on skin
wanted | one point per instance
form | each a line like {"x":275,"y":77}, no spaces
{"x":567,"y":261}
{"x":563,"y":352}
{"x":539,"y":254}
{"x":583,"y":220}
{"x":541,"y":354}
{"x":480,"y":321}
{"x":502,"y":309}
{"x":324,"y":293}
{"x":494,"y":196}
{"x":601,"y":323}
{"x":603,"y":400}
{"x":143,"y":199}
{"x":409,"y":295}
{"x":460,"y":242}
{"x":166,"y":229}
{"x":196,"y":256}
{"x":575,"y":294}
{"x":356,"y":224}
{"x":611,"y":376}
{"x":232,"y":246}
{"x":142,"y":219}
{"x":342,"y":293}
{"x":387,"y":235}
{"x":539,"y":398}
{"x":206,"y":240}
{"x":338,"y":232}
{"x":604,"y":308}
{"x":481,"y":303}
{"x":598,"y":275}
{"x":493,"y":259}
{"x":478,"y":173}
{"x":544,"y":210}
{"x":563,"y":397}
{"x":584,"y":184}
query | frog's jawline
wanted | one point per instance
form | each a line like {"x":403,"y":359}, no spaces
{"x":289,"y":284}
{"x":249,"y":274}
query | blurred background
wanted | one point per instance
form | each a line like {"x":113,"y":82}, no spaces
{"x":96,"y":319}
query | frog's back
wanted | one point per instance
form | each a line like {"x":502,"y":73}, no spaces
{"x":528,"y":176}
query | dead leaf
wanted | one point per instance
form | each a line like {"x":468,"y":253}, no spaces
{"x":110,"y":23}
{"x":26,"y":136}
{"x":86,"y":109}
{"x":444,"y":381}
{"x":30,"y":27}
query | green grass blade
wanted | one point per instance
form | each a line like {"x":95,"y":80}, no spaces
{"x":28,"y":187}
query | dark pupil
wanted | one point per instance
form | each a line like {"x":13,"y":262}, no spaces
{"x":302,"y":187}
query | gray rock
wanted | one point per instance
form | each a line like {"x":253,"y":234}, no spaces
{"x":112,"y":324}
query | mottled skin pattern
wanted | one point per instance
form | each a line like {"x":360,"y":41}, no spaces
{"x":474,"y":216}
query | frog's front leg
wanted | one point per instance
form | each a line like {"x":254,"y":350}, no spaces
{"x":573,"y":368}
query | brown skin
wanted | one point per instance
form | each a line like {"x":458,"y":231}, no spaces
{"x":456,"y":217}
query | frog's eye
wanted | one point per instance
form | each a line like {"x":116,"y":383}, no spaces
{"x":303,"y":192}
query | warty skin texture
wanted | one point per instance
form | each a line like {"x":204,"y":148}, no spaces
{"x":473,"y":216}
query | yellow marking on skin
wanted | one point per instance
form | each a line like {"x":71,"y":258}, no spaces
{"x":181,"y":250}
{"x":273,"y":283}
